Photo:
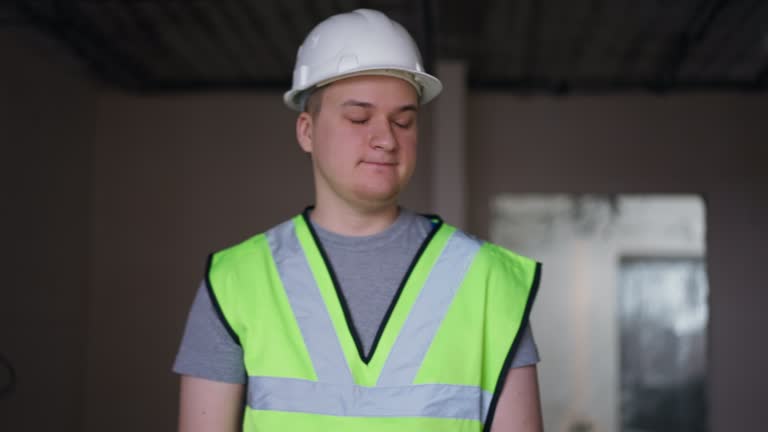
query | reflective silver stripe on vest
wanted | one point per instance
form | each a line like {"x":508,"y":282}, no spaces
{"x":308,"y":306}
{"x":428,"y":311}
{"x":423,"y":400}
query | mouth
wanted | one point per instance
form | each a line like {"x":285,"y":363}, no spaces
{"x":379,"y":163}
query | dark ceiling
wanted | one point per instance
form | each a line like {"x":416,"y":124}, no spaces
{"x":517,"y":45}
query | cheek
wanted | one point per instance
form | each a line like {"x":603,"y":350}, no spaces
{"x":335,"y":147}
{"x":408,"y":145}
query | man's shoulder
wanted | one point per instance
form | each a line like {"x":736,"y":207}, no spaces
{"x":491,"y":252}
{"x":254,"y":244}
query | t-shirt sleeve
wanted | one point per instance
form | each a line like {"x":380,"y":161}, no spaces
{"x":527,"y":354}
{"x":207,"y":350}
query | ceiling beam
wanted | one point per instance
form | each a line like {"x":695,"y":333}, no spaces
{"x":62,"y":24}
{"x":699,"y":24}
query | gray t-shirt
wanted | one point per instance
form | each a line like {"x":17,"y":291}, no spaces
{"x":369,"y":271}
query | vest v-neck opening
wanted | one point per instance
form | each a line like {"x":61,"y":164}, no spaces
{"x":366,"y":358}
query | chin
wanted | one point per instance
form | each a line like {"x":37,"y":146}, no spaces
{"x":378,"y":196}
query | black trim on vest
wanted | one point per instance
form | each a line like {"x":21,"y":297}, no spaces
{"x":345,"y":307}
{"x":432,"y":217}
{"x":215,"y":302}
{"x":510,"y":355}
{"x":435,"y":227}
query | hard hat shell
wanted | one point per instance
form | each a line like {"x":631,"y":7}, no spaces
{"x":362,"y":42}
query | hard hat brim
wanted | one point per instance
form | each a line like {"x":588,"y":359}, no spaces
{"x":430,"y":85}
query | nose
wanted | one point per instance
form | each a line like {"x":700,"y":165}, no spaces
{"x":382,"y":136}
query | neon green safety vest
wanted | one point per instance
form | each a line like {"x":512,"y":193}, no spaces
{"x":437,"y":364}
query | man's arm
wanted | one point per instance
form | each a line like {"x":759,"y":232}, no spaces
{"x":212,"y":372}
{"x":210,"y":406}
{"x":519,"y":408}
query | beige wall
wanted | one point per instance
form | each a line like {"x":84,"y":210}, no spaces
{"x":710,"y":144}
{"x":175,"y":178}
{"x":45,"y":108}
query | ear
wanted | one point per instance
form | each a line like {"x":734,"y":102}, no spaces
{"x":304,"y":129}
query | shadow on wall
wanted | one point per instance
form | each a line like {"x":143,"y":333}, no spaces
{"x":7,"y":378}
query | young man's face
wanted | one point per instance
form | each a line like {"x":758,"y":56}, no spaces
{"x":363,"y":140}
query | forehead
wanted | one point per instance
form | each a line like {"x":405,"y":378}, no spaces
{"x":377,"y":91}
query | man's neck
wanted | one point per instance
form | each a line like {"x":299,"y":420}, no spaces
{"x":354,"y":222}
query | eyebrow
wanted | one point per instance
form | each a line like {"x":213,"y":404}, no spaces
{"x":361,"y":104}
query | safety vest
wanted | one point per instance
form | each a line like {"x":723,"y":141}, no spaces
{"x":438,"y":362}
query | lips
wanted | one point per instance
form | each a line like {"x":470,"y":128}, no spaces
{"x":380,"y":163}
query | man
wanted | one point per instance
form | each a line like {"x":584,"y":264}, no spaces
{"x":359,"y":315}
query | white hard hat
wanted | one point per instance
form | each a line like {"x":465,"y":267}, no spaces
{"x":362,"y":42}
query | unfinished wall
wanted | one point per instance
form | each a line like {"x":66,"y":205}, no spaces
{"x":175,"y":178}
{"x":45,"y":102}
